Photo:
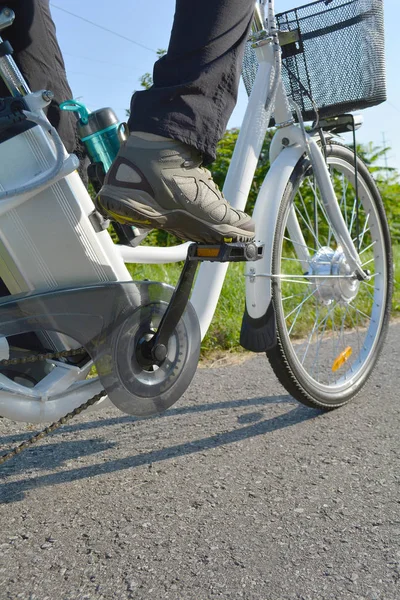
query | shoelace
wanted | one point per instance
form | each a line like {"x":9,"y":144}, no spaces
{"x":194,"y":164}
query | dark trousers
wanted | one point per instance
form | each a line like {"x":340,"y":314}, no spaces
{"x":195,"y":83}
{"x":37,"y":53}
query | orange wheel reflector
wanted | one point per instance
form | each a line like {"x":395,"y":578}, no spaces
{"x":208,"y":252}
{"x":342,"y":358}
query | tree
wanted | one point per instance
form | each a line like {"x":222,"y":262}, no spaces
{"x":146,"y":80}
{"x":220,"y":166}
{"x":387,"y":180}
{"x":371,"y":154}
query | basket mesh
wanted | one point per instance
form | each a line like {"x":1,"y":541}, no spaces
{"x":339,"y":59}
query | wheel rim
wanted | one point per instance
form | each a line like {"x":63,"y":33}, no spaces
{"x":329,"y":322}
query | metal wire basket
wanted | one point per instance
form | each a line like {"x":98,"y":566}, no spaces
{"x":337,"y":58}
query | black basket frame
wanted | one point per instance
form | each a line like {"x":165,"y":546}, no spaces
{"x":350,"y":76}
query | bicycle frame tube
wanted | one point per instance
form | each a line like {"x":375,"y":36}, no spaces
{"x":332,"y":208}
{"x":271,"y":15}
{"x":238,"y":181}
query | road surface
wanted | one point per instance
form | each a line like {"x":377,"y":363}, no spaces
{"x":236,"y":492}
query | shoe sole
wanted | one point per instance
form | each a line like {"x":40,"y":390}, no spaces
{"x":179,"y":222}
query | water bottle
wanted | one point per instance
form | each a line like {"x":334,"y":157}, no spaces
{"x":100,"y":132}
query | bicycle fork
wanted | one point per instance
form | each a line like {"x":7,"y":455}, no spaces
{"x":330,"y":205}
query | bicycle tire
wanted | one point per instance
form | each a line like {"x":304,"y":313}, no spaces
{"x":283,"y":358}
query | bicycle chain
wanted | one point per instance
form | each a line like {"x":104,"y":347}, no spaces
{"x":57,"y":424}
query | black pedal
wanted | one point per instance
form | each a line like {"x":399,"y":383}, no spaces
{"x":228,"y":252}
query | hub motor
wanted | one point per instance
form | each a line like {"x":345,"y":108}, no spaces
{"x":333,"y":279}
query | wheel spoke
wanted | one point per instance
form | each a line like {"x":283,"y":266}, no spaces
{"x":298,"y":243}
{"x":365,"y":230}
{"x":295,"y":320}
{"x":355,"y":325}
{"x":369,"y":293}
{"x":292,"y":296}
{"x":354,"y":213}
{"x":368,"y":262}
{"x":305,"y":209}
{"x":312,"y":332}
{"x":360,"y":312}
{"x":367,"y":248}
{"x":308,"y":227}
{"x":299,"y":305}
{"x":320,"y":337}
{"x":294,"y":280}
{"x":291,"y":259}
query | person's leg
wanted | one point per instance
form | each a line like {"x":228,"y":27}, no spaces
{"x":196,"y":82}
{"x":39,"y":58}
{"x":157,"y":179}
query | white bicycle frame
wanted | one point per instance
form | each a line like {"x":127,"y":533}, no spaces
{"x":66,"y":387}
{"x":290,"y":142}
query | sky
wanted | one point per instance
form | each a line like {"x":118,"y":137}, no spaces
{"x":104,"y":69}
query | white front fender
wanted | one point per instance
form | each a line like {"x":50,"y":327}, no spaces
{"x":258,"y":287}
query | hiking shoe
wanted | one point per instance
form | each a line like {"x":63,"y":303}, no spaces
{"x":159,"y":183}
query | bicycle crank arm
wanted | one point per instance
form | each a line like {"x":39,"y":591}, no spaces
{"x":154,"y":350}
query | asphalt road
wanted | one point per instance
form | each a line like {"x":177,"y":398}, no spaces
{"x":237,"y":492}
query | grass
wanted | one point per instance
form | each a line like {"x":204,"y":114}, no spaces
{"x":396,"y":287}
{"x":224,"y":331}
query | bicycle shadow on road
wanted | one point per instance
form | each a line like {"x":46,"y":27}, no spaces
{"x":177,"y":410}
{"x":14,"y":491}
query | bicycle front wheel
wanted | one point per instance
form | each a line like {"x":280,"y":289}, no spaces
{"x":330,"y":326}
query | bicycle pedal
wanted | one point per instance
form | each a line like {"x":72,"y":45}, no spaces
{"x":226,"y":252}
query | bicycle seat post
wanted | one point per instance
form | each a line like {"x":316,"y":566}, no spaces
{"x":9,"y":71}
